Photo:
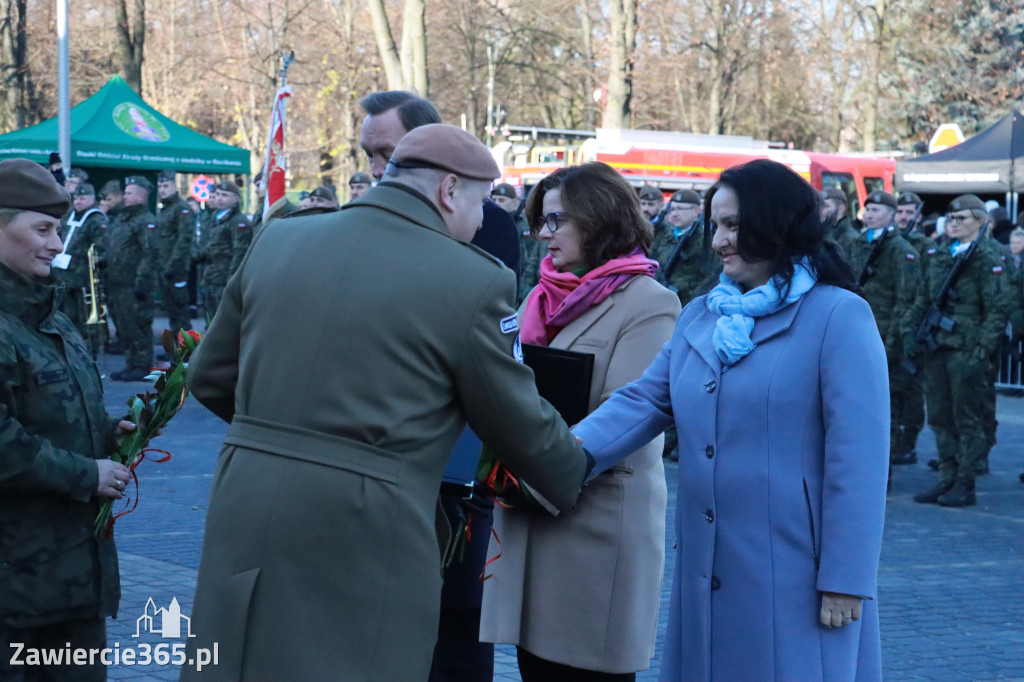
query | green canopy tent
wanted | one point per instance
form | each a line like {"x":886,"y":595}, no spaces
{"x":116,"y":129}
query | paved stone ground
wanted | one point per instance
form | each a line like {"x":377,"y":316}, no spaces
{"x":951,"y":583}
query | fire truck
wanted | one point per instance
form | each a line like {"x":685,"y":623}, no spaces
{"x":671,"y":161}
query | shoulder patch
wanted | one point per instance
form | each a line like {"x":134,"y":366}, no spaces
{"x":517,"y":349}
{"x":242,"y":226}
{"x":997,"y":269}
{"x":185,"y":211}
{"x":911,"y":256}
{"x":931,"y":252}
{"x":150,"y":226}
{"x":509,"y":324}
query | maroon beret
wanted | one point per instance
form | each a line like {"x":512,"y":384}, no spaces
{"x":446,"y":147}
{"x":27,"y":186}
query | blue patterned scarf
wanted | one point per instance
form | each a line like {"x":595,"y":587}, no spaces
{"x":737,"y":310}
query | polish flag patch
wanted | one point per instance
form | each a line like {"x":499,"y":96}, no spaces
{"x":911,"y":257}
{"x":997,"y":269}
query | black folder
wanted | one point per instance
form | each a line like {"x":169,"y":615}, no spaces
{"x":563,"y":379}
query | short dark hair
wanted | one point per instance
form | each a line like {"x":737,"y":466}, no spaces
{"x":602,"y":204}
{"x":778,"y":222}
{"x":413,"y":111}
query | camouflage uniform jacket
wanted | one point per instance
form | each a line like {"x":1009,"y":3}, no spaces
{"x":91,"y":232}
{"x":532,"y":252}
{"x":855,"y":247}
{"x":53,"y":424}
{"x":696,"y":267}
{"x":129,"y":254}
{"x":983,"y":302}
{"x":222,"y":250}
{"x":891,"y":290}
{"x":175,"y":234}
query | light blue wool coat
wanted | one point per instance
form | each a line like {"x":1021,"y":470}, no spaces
{"x":782,"y":474}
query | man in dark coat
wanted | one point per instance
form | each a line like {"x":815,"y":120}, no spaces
{"x":349,"y":411}
{"x":174,"y":237}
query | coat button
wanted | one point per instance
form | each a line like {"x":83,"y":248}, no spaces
{"x":709,"y":515}
{"x":709,"y":451}
{"x":710,"y":386}
{"x":716,"y":583}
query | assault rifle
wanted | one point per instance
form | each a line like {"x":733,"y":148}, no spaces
{"x":876,"y":252}
{"x":937,"y":316}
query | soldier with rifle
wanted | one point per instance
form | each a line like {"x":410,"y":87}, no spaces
{"x":889,"y":280}
{"x":682,"y":248}
{"x":959,"y":315}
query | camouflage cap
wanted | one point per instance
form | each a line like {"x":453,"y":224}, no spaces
{"x":504,"y":190}
{"x":967,"y":202}
{"x":880,"y":197}
{"x":78,"y":173}
{"x":836,"y":194}
{"x":167,"y":175}
{"x":324,"y":192}
{"x":908,"y":198}
{"x":111,"y":187}
{"x":360,"y":179}
{"x":650,"y":192}
{"x":227,"y":186}
{"x":27,"y":186}
{"x":685,"y":196}
{"x":84,"y":189}
{"x":139,"y":181}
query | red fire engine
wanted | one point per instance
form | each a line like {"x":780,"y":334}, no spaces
{"x":672,"y":161}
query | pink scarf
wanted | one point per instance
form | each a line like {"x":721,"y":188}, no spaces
{"x":561,"y":297}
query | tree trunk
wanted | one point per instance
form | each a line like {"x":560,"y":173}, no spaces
{"x":386,"y":46}
{"x":587,"y":40}
{"x":131,"y":41}
{"x":874,"y":71}
{"x":717,"y":64}
{"x":620,"y":64}
{"x":414,"y":46}
{"x":16,"y":75}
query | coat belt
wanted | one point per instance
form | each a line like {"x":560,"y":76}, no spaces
{"x":315,"y":447}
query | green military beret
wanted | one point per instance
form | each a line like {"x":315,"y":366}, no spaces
{"x":879,"y":197}
{"x":324,"y":192}
{"x":685,"y":196}
{"x":85,"y":189}
{"x":966,"y":202}
{"x":836,"y":194}
{"x":504,"y":190}
{"x":360,"y":179}
{"x":78,"y":173}
{"x":27,"y":186}
{"x":139,"y":181}
{"x":227,"y":186}
{"x":167,"y":175}
{"x":908,"y":198}
{"x":650,"y":192}
{"x":111,"y":187}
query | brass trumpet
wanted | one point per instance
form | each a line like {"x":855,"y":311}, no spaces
{"x":92,"y":295}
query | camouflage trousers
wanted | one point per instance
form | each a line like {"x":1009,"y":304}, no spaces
{"x":212,"y":296}
{"x":906,"y":402}
{"x":957,"y":388}
{"x":134,"y":325}
{"x":175,"y":301}
{"x":76,"y":634}
{"x":73,"y":305}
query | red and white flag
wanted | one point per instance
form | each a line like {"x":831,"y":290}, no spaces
{"x":274,"y":160}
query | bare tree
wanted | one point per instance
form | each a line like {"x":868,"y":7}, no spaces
{"x":622,"y":38}
{"x":14,"y":62}
{"x":408,"y":68}
{"x":131,"y":41}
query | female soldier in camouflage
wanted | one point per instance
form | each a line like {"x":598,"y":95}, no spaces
{"x":58,"y":582}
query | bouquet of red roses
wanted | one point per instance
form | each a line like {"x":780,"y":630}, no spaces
{"x":150,"y":412}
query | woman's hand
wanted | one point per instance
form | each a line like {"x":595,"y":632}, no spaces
{"x":838,"y":610}
{"x":113,"y":478}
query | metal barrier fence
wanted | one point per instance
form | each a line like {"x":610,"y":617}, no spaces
{"x":1011,"y":367}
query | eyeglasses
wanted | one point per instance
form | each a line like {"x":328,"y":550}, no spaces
{"x":959,"y":218}
{"x":554,"y":220}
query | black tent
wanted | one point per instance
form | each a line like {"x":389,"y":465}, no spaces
{"x":991,"y":162}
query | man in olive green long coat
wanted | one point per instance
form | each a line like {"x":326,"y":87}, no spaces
{"x":348,"y":365}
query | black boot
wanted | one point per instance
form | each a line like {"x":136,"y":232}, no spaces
{"x":960,"y":495}
{"x":932,"y":495}
{"x":905,"y":457}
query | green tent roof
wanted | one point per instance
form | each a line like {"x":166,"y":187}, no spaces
{"x":115,"y":128}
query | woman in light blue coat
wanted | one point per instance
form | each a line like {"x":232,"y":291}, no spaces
{"x":777,"y":383}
